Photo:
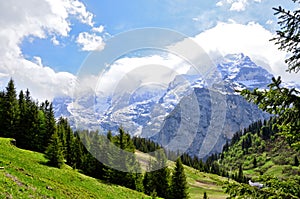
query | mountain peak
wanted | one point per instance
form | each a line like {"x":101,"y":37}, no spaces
{"x":235,"y":56}
{"x":238,"y":60}
{"x":240,"y":69}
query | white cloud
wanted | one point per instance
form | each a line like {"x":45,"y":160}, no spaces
{"x":269,"y":22}
{"x":90,"y":42}
{"x":225,"y":38}
{"x":239,"y":5}
{"x":36,"y":19}
{"x":155,"y":69}
{"x":66,"y":8}
{"x":99,"y":29}
{"x":251,"y":39}
{"x":236,"y":5}
{"x":55,"y":41}
{"x":220,"y":3}
{"x":38,"y":61}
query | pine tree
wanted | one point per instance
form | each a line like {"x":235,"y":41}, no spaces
{"x":40,"y":131}
{"x":54,"y":152}
{"x":2,"y":100}
{"x":240,"y":176}
{"x":147,"y":183}
{"x":30,"y":125}
{"x":254,"y":162}
{"x":109,"y":136}
{"x":157,"y":180}
{"x":22,"y":122}
{"x":160,"y":174}
{"x":68,"y":138}
{"x":179,"y":188}
{"x":10,"y":112}
{"x":32,"y":119}
{"x":77,"y":152}
{"x":205,"y":195}
{"x":50,"y":122}
{"x":288,"y":36}
{"x":98,"y":167}
{"x":124,"y":160}
{"x":296,"y":161}
{"x":278,"y":100}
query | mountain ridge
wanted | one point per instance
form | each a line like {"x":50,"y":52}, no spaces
{"x":147,"y":115}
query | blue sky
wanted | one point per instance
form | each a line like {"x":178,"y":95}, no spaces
{"x":188,"y":17}
{"x":53,"y":37}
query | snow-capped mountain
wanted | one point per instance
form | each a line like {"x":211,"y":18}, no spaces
{"x":158,"y":113}
{"x":218,"y":116}
{"x":220,"y":111}
{"x":134,"y":113}
{"x":241,"y":70}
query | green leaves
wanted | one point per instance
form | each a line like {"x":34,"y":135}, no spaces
{"x":179,"y":188}
{"x":10,"y":111}
{"x":54,"y":152}
{"x":288,"y":37}
{"x":157,"y":181}
{"x":282,"y":102}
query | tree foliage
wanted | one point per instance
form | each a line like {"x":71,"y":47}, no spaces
{"x":273,"y":188}
{"x":288,"y":37}
{"x":34,"y":127}
{"x":157,"y":181}
{"x":10,"y":110}
{"x":278,"y":100}
{"x":285,"y":104}
{"x":205,"y":195}
{"x":54,"y":152}
{"x":179,"y":188}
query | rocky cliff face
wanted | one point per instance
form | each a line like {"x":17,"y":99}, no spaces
{"x":220,"y":110}
{"x":192,"y":114}
{"x":214,"y":126}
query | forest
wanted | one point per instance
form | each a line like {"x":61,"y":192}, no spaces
{"x":267,"y":152}
{"x":33,"y":126}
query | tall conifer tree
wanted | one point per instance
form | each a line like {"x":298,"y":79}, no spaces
{"x":10,"y":111}
{"x":54,"y":152}
{"x":179,"y":188}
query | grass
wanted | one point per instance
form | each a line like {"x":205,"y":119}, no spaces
{"x":198,"y":182}
{"x":24,"y":174}
{"x":274,"y":158}
{"x":275,"y":170}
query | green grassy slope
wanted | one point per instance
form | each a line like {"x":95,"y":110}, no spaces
{"x":273,"y":157}
{"x":198,"y":182}
{"x":23,"y":174}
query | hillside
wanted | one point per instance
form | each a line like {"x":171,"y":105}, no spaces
{"x":157,"y":113}
{"x":26,"y":175}
{"x":261,"y":152}
{"x":198,"y":182}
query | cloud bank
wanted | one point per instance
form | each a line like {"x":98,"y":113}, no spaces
{"x":40,"y":19}
{"x":251,"y":39}
{"x":51,"y":19}
{"x":236,"y":5}
{"x":90,"y":42}
{"x":156,"y":69}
